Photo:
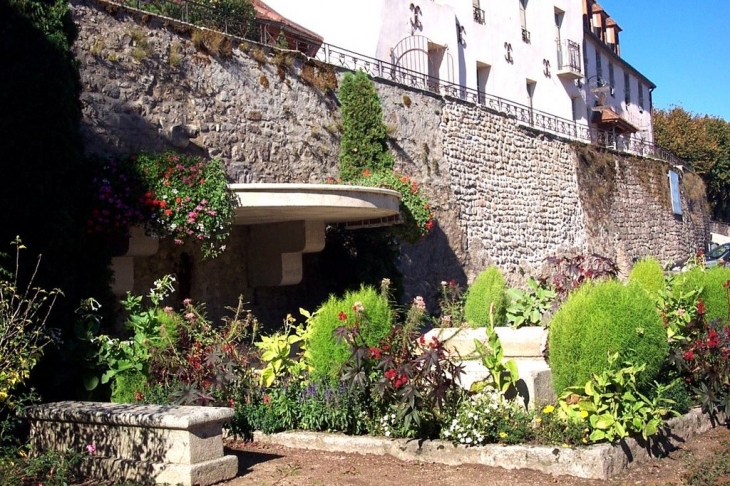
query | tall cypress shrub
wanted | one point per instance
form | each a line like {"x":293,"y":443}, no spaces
{"x":364,"y":143}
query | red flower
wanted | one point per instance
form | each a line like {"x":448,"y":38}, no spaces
{"x":267,"y":398}
{"x":168,"y":212}
{"x":366,"y":172}
{"x":404,"y":179}
{"x":389,"y":374}
{"x":138,"y":396}
{"x":689,"y":355}
{"x":375,"y":353}
{"x":342,"y":316}
{"x":429,"y":225}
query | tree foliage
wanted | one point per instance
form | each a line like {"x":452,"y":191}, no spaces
{"x":45,"y":195}
{"x":704,"y":142}
{"x":364,"y":143}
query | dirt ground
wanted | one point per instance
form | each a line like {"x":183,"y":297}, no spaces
{"x":269,"y":465}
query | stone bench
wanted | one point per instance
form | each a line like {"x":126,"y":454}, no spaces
{"x":146,"y":443}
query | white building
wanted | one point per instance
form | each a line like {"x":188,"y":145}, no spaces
{"x":542,"y":57}
{"x":618,"y":96}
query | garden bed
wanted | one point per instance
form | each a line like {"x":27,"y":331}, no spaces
{"x":600,"y":461}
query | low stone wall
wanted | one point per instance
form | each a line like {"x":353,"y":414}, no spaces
{"x":600,"y":461}
{"x":166,"y":444}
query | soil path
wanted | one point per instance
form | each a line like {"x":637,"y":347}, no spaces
{"x":263,"y":464}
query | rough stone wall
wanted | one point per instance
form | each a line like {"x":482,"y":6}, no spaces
{"x":501,"y":193}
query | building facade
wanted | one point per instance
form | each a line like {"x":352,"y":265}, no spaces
{"x":545,"y":59}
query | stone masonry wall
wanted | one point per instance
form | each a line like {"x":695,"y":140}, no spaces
{"x":501,"y":193}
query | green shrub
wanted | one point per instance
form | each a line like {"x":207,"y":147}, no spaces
{"x":714,"y":295}
{"x":488,"y":288}
{"x":364,"y":143}
{"x":599,"y":319}
{"x":328,"y":356}
{"x":648,"y":273}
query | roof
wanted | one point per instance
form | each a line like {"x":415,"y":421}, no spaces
{"x":268,"y":14}
{"x":612,"y":23}
{"x":596,"y":8}
{"x":608,"y":119}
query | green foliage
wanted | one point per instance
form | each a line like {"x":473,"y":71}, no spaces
{"x":415,"y":208}
{"x":527,"y":308}
{"x":364,"y":143}
{"x":486,"y":418}
{"x":327,"y":355}
{"x":278,"y":352}
{"x":677,"y":304}
{"x":713,"y":294}
{"x":23,"y":314}
{"x":504,"y":374}
{"x":48,"y":468}
{"x":553,"y":428}
{"x":598,"y":320}
{"x":178,"y":196}
{"x":648,"y":273}
{"x":178,"y":357}
{"x":704,"y":142}
{"x":486,"y":299}
{"x":611,"y":405}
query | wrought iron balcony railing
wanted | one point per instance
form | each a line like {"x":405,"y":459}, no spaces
{"x":479,"y":15}
{"x":189,"y":11}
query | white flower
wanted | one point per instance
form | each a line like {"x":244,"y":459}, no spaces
{"x":468,"y":440}
{"x":387,"y":433}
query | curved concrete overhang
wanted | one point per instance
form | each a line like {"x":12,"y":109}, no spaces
{"x":330,"y":203}
{"x":286,"y":220}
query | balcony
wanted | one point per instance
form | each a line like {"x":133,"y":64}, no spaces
{"x":526,"y":36}
{"x":569,"y":60}
{"x":478,"y":15}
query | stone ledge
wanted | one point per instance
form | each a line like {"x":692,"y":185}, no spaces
{"x":600,"y":461}
{"x":157,"y":416}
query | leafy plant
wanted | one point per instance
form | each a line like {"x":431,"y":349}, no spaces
{"x":413,"y":378}
{"x":277,"y":352}
{"x":567,"y":273}
{"x":598,"y":320}
{"x":364,"y":142}
{"x":365,"y":309}
{"x":612,"y":406}
{"x":713,"y":293}
{"x":173,"y":195}
{"x":648,"y":273}
{"x":24,"y":310}
{"x":486,"y":301}
{"x":504,"y":374}
{"x":677,"y":306}
{"x":451,"y":305}
{"x":527,"y":308}
{"x":415,"y":208}
{"x":553,"y":428}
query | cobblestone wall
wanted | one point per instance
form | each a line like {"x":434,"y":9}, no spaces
{"x":501,"y":193}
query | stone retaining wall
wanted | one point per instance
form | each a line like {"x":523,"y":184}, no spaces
{"x":501,"y":193}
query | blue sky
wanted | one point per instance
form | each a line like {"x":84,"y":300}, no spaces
{"x":683,"y":46}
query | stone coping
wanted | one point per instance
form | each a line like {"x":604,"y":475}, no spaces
{"x":332,"y":203}
{"x":152,"y":416}
{"x":599,"y":461}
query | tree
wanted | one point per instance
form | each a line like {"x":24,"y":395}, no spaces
{"x":364,"y":143}
{"x":46,"y":177}
{"x":704,"y":142}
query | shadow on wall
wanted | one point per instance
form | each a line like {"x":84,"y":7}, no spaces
{"x":427,"y":264}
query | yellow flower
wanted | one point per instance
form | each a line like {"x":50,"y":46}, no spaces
{"x":503,"y":434}
{"x":583,"y":414}
{"x":538,"y":420}
{"x":548,"y":409}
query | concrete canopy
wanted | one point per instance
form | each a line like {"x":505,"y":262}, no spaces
{"x":330,"y":203}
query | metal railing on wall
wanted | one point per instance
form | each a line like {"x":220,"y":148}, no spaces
{"x":198,"y":14}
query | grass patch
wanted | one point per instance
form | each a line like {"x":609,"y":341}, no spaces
{"x":214,"y":43}
{"x":710,"y":472}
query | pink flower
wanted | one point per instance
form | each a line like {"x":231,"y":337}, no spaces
{"x":190,"y":316}
{"x":187,"y":301}
{"x":90,"y":448}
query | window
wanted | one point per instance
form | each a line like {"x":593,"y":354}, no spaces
{"x":478,"y":12}
{"x":559,"y":15}
{"x":641,"y":96}
{"x":575,"y":106}
{"x":627,"y":88}
{"x":599,"y":68}
{"x":482,"y":78}
{"x":611,"y":77}
{"x":530,"y":90}
{"x":523,"y":21}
